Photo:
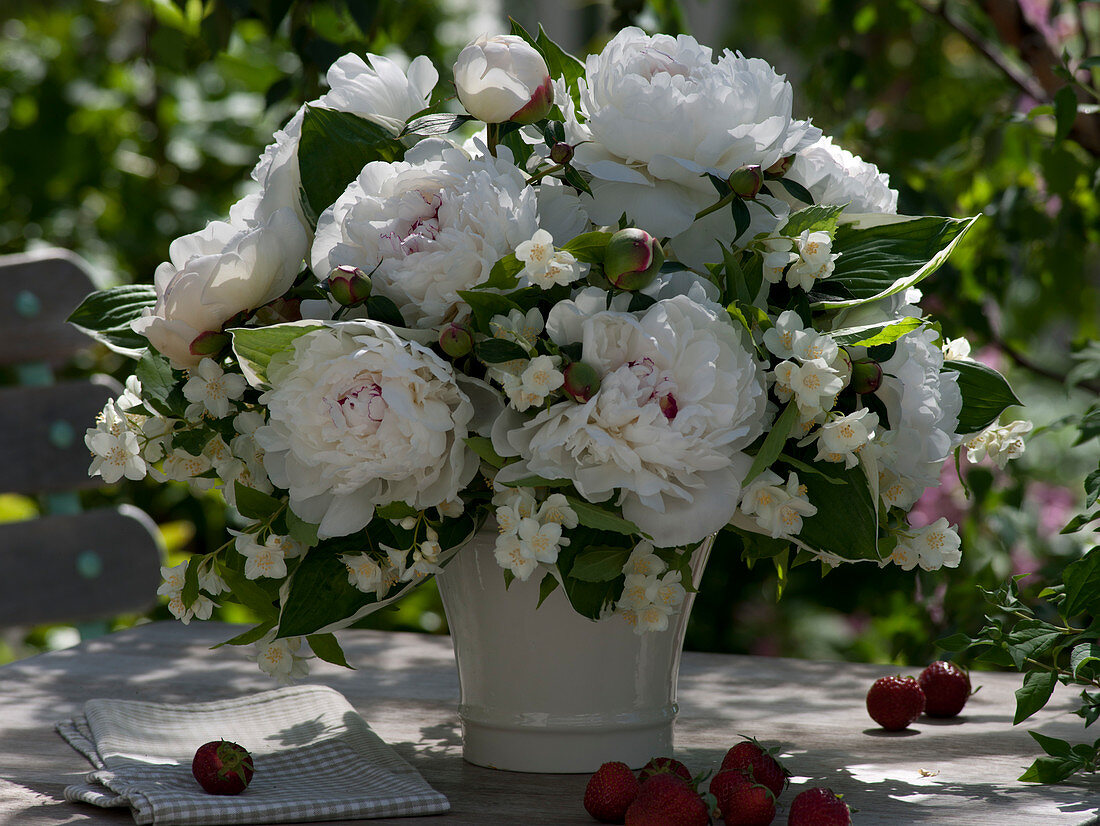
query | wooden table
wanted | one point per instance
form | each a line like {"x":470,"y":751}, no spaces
{"x":958,"y":771}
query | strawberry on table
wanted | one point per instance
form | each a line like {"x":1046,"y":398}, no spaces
{"x":742,"y":801}
{"x":222,"y":767}
{"x":818,"y":807}
{"x":895,"y":702}
{"x":663,"y":765}
{"x":610,"y":792}
{"x":667,"y":800}
{"x":946,"y":689}
{"x":759,"y":763}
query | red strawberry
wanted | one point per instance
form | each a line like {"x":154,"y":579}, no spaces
{"x":946,"y":689}
{"x":895,"y":702}
{"x":756,"y":761}
{"x":741,"y":800}
{"x":818,"y":807}
{"x":667,"y":800}
{"x":222,"y":767}
{"x":663,"y":765}
{"x":610,"y":792}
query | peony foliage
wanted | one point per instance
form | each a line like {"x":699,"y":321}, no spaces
{"x":665,"y":309}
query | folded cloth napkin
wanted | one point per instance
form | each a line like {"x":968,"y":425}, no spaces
{"x":315,"y":758}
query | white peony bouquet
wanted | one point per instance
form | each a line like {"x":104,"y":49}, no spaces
{"x":637,"y":304}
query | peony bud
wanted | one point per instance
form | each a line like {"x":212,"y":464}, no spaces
{"x":582,"y":382}
{"x":455,"y":340}
{"x":561,"y":152}
{"x":349,"y":286}
{"x":866,"y":376}
{"x":503,"y":78}
{"x":632,"y":259}
{"x":780,"y":168}
{"x":209,"y":343}
{"x":746,"y":181}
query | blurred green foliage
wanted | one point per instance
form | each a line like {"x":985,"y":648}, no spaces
{"x":125,"y":123}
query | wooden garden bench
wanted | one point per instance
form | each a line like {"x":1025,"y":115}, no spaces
{"x":67,"y":565}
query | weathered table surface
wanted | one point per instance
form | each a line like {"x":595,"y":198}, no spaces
{"x":959,"y":771}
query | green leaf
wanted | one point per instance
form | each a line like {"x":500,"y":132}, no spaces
{"x":483,"y":447}
{"x":1030,"y":639}
{"x":300,"y":530}
{"x":741,"y":217}
{"x":599,"y":564}
{"x":328,"y":649}
{"x":548,"y":585}
{"x":106,"y":315}
{"x":395,"y":510}
{"x":955,"y":642}
{"x":440,"y":124}
{"x":504,"y":274}
{"x":813,"y":218}
{"x":250,"y":636}
{"x":497,"y":350}
{"x":588,"y":246}
{"x":319,"y":594}
{"x":871,"y":335}
{"x":1082,"y":579}
{"x":593,"y":516}
{"x":191,"y":582}
{"x":253,"y":504}
{"x":381,"y":308}
{"x":985,"y":393}
{"x":1065,"y":112}
{"x":1092,"y":488}
{"x":249,"y":593}
{"x":537,"y":482}
{"x":796,"y":190}
{"x":1036,"y":690}
{"x":882,"y":260}
{"x":1084,"y":656}
{"x":332,"y":151}
{"x":773,"y":442}
{"x":558,"y":61}
{"x":1089,"y":426}
{"x":1050,"y":770}
{"x":1079,"y":521}
{"x":485,"y":305}
{"x":1051,"y":745}
{"x":159,"y":387}
{"x":856,"y":535}
{"x":254,"y":347}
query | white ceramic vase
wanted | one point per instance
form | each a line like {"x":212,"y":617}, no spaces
{"x":548,"y":690}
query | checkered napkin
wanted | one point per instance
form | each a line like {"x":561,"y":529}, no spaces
{"x":315,"y":757}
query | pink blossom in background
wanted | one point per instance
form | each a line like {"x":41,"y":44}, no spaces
{"x":990,"y":356}
{"x":1054,"y":504}
{"x":1023,"y":562}
{"x":947,"y":500}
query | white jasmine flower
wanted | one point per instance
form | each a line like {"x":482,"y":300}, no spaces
{"x":522,"y":328}
{"x":815,"y":385}
{"x":537,"y":253}
{"x":841,"y":438}
{"x":515,"y":555}
{"x":999,"y":443}
{"x":544,"y":540}
{"x":172,"y":587}
{"x":513,"y":506}
{"x":211,"y":581}
{"x":680,"y":397}
{"x":816,"y":260}
{"x":210,"y":389}
{"x":556,"y":509}
{"x":425,"y":560}
{"x":669,"y":592}
{"x":638,"y":591}
{"x":265,"y":560}
{"x":810,"y":344}
{"x":542,"y":376}
{"x":364,"y":572}
{"x":280,"y":658}
{"x":155,"y":432}
{"x":780,"y":338}
{"x":779,"y":253}
{"x":956,"y":349}
{"x":116,"y":451}
{"x":777,"y":510}
{"x":181,"y":466}
{"x":358,"y":417}
{"x":643,"y":561}
{"x":932,"y":547}
{"x":651,"y":617}
{"x":451,"y":509}
{"x":428,"y":227}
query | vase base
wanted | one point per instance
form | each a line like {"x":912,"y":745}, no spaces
{"x":562,"y":752}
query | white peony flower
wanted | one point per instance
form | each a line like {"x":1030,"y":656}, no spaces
{"x":501,"y":78}
{"x":213,"y":275}
{"x":210,"y":389}
{"x":658,"y":113}
{"x":1001,"y":444}
{"x":680,"y":397}
{"x":358,"y":417}
{"x":922,"y":406}
{"x":428,"y":227}
{"x":836,"y":176}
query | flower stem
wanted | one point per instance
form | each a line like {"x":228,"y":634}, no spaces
{"x":715,"y":206}
{"x":538,"y":176}
{"x":492,"y":137}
